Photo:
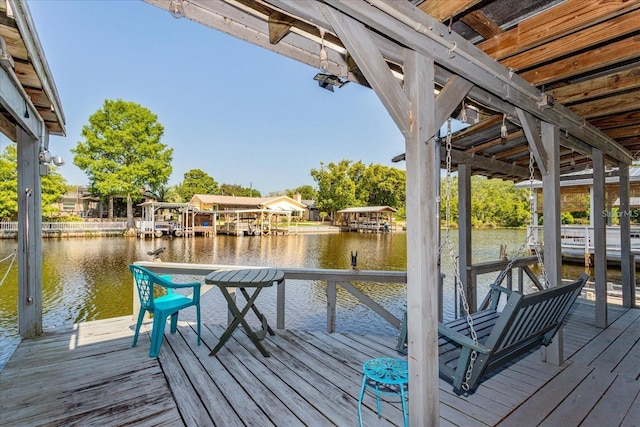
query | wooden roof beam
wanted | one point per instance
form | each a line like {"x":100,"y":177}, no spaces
{"x":609,"y":84}
{"x":481,"y":24}
{"x":443,"y":10}
{"x":371,"y":63}
{"x":423,"y":34}
{"x":450,"y":97}
{"x":480,"y":162}
{"x":531,"y":127}
{"x":495,"y":142}
{"x":279,"y":26}
{"x":615,"y":28}
{"x":629,"y":101}
{"x":623,"y":50}
{"x":620,"y":120}
{"x":553,"y":23}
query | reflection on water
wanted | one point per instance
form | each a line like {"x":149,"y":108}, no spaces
{"x":88,"y":279}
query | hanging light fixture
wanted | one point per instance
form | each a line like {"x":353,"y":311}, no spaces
{"x":503,"y":129}
{"x":463,"y":113}
{"x":572,"y":162}
{"x":176,"y":8}
{"x":325,"y":79}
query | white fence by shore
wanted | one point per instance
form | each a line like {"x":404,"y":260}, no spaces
{"x":70,"y":226}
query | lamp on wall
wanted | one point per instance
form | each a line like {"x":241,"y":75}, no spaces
{"x":46,"y":157}
{"x":176,"y":8}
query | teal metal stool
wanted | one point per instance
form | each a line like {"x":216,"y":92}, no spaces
{"x":385,"y":376}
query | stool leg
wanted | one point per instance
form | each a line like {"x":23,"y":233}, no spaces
{"x":364,"y":381}
{"x":404,"y":406}
{"x":378,"y":400}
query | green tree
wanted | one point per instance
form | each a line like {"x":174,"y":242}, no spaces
{"x":238,"y":191}
{"x":336,"y":189}
{"x":122,"y":152}
{"x":306,"y":192}
{"x":9,"y":183}
{"x":197,"y":181}
{"x":382,"y":186}
{"x":53,"y":186}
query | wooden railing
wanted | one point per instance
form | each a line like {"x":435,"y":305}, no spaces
{"x":522,"y":265}
{"x":345,"y":279}
{"x":333,"y":278}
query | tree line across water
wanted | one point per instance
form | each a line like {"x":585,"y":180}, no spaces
{"x":122,"y":154}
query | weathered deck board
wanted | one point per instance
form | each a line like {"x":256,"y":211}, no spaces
{"x":311,"y":378}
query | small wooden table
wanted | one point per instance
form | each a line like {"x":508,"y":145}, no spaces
{"x":244,"y":279}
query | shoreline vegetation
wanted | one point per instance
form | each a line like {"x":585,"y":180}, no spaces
{"x":118,"y":229}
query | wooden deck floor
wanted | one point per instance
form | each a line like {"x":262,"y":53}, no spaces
{"x":89,"y":375}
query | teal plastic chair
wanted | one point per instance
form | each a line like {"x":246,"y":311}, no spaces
{"x":162,"y":307}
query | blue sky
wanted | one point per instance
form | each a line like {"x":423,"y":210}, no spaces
{"x":240,"y":113}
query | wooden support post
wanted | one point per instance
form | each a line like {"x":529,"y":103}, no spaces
{"x":280,"y":306}
{"x":422,"y":242}
{"x":331,"y":306}
{"x":29,"y":237}
{"x":600,"y":239}
{"x":627,"y":269}
{"x":464,"y":235}
{"x":551,"y":213}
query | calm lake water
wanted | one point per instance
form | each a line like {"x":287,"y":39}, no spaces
{"x":88,"y":279}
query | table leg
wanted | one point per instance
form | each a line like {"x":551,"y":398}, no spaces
{"x":261,"y":317}
{"x":239,"y":319}
{"x":238,"y":315}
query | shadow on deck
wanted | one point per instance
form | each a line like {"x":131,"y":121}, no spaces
{"x":89,"y":375}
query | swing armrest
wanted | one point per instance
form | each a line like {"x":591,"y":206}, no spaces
{"x":502,"y":289}
{"x":461,"y":339}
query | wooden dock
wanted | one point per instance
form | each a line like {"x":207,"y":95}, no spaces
{"x":89,"y":375}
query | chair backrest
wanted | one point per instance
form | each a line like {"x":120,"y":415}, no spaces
{"x":531,"y":320}
{"x":144,"y":280}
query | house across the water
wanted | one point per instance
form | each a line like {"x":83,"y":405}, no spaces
{"x":246,"y":215}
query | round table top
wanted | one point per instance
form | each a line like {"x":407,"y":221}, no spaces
{"x":387,"y":370}
{"x":247,"y":277}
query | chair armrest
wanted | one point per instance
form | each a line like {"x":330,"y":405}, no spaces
{"x":461,"y":339}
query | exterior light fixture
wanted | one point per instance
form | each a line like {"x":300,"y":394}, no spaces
{"x":176,"y":8}
{"x":46,"y":157}
{"x":328,"y":81}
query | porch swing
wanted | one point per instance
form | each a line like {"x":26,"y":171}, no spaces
{"x":476,"y":344}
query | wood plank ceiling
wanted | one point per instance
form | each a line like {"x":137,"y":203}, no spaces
{"x":582,"y":53}
{"x":32,"y":81}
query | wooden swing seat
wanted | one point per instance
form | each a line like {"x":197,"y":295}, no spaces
{"x":524,"y":323}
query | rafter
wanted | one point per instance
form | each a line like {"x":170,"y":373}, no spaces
{"x":623,"y":50}
{"x":443,"y":10}
{"x":626,"y":119}
{"x":627,"y":102}
{"x":554,"y":23}
{"x":580,"y":40}
{"x":279,"y":26}
{"x":481,"y":24}
{"x":600,"y":86}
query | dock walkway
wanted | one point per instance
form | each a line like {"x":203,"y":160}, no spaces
{"x":89,"y":375}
